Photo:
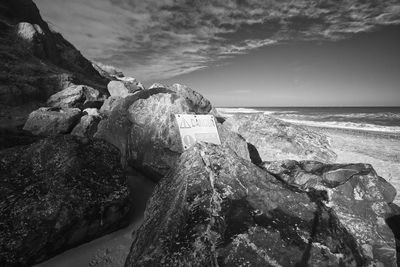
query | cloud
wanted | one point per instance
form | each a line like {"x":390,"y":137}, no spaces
{"x":164,"y":38}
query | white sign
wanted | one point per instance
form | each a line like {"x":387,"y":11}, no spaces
{"x":197,"y":128}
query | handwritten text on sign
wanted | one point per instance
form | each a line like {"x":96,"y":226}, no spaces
{"x":197,"y":128}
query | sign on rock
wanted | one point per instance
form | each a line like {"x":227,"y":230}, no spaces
{"x":195,"y":128}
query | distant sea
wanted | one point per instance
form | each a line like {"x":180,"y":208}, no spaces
{"x":381,"y":119}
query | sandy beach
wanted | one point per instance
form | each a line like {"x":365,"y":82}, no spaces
{"x":381,"y":150}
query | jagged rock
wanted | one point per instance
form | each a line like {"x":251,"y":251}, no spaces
{"x":56,"y":194}
{"x":202,"y":104}
{"x":109,"y":104}
{"x":123,"y":88}
{"x":279,"y":140}
{"x":52,"y":121}
{"x":78,"y":96}
{"x":87,"y":126}
{"x":91,"y":112}
{"x":143,"y":127}
{"x":357,"y":195}
{"x":157,"y":85}
{"x":216,"y":209}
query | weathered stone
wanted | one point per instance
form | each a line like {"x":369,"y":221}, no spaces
{"x":357,"y":195}
{"x":52,"y":121}
{"x":122,"y":88}
{"x":195,"y":98}
{"x":58,"y":193}
{"x":109,"y":104}
{"x":144,"y":128}
{"x":75,"y":96}
{"x":279,"y":140}
{"x":216,"y":209}
{"x":33,"y":37}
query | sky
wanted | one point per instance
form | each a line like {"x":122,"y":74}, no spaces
{"x":245,"y":52}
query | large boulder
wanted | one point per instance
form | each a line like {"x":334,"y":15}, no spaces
{"x":144,"y":128}
{"x":123,"y":88}
{"x":79,"y":96}
{"x":217,"y":209}
{"x":58,"y":193}
{"x":52,"y":121}
{"x":194,"y":98}
{"x":356,"y":194}
{"x":279,"y":140}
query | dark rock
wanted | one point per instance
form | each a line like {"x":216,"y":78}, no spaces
{"x":52,"y":121}
{"x":10,"y":137}
{"x":87,"y":126}
{"x":278,"y":140}
{"x":56,"y":194}
{"x":217,"y":209}
{"x":144,"y":128}
{"x":357,"y":195}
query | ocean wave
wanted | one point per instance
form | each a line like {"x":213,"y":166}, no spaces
{"x":346,"y":125}
{"x":231,"y":111}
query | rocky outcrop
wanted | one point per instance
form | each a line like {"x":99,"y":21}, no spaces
{"x":356,"y":194}
{"x":279,"y":140}
{"x":216,"y":209}
{"x":143,"y":127}
{"x":56,"y":194}
{"x":52,"y":121}
{"x":78,"y":96}
{"x":37,"y":62}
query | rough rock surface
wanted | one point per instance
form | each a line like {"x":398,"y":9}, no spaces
{"x":109,"y":104}
{"x":216,"y":209}
{"x":52,"y":121}
{"x":109,"y":72}
{"x":279,"y":140}
{"x":202,"y":104}
{"x":57,"y":193}
{"x":123,"y":88}
{"x":77,"y":96}
{"x":357,"y":195}
{"x":144,"y":128}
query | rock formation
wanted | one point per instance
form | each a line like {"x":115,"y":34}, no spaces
{"x":216,"y":209}
{"x":143,"y":127}
{"x":58,"y":193}
{"x":37,"y":62}
{"x":52,"y":121}
{"x":87,"y":126}
{"x":279,"y":140}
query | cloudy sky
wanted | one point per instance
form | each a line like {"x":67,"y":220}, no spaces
{"x":245,"y":52}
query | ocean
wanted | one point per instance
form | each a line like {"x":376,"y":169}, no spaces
{"x":380,"y":119}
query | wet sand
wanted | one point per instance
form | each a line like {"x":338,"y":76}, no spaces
{"x":381,"y":150}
